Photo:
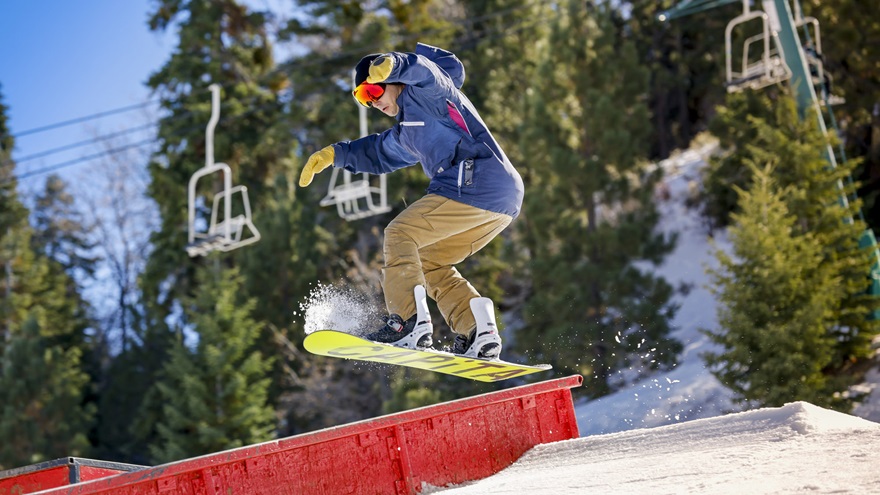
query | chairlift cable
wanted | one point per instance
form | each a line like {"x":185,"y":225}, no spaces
{"x":75,"y":161}
{"x":493,"y":34}
{"x":79,"y":144}
{"x":83,"y":119}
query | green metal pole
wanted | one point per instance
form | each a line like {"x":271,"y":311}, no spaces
{"x":794,"y":58}
{"x":805,"y":94}
{"x":801,"y":81}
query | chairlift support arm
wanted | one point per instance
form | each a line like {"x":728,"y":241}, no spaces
{"x":688,"y":7}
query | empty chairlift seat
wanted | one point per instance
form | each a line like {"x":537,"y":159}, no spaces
{"x":230,"y":224}
{"x":760,"y":58}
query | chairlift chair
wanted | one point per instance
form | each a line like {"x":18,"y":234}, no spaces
{"x":227,"y":232}
{"x":356,"y":197}
{"x":755,"y":73}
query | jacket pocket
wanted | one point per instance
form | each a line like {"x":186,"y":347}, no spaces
{"x":465,"y":174}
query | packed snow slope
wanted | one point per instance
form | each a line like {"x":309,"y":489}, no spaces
{"x":688,"y":391}
{"x":798,"y":448}
{"x":671,"y":432}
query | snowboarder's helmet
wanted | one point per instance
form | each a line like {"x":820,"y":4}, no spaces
{"x":362,"y":69}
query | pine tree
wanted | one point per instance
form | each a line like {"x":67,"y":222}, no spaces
{"x":61,"y":230}
{"x":224,"y":43}
{"x":124,"y":429}
{"x":763,"y":129}
{"x":215,"y":392}
{"x":61,"y":234}
{"x":777,"y":302}
{"x":686,"y":62}
{"x":42,"y":382}
{"x":42,"y":415}
{"x":13,"y":223}
{"x":730,"y":170}
{"x":589,"y":215}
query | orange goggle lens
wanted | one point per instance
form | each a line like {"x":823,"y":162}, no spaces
{"x":367,"y":93}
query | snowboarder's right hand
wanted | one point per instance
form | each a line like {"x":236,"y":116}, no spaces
{"x":317,"y":162}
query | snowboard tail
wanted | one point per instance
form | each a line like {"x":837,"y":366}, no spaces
{"x":343,"y":345}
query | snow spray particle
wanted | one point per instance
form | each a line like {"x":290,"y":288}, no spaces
{"x":335,"y":308}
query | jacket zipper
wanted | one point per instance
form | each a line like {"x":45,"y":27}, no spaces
{"x":465,"y":173}
{"x":453,"y":107}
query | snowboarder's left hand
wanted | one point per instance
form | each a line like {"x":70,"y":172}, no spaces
{"x":380,"y":69}
{"x":317,"y":162}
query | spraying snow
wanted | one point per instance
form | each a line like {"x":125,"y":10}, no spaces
{"x":688,"y":391}
{"x":329,"y":307}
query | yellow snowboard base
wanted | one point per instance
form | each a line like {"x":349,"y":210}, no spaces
{"x":343,"y":345}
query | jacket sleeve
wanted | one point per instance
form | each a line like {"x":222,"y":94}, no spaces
{"x":374,"y":154}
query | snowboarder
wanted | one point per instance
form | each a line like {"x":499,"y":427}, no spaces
{"x":474,"y":193}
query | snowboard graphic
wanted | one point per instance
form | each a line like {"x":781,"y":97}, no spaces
{"x":343,"y":345}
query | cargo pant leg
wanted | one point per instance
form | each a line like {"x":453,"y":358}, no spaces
{"x":445,"y":284}
{"x":423,"y":244}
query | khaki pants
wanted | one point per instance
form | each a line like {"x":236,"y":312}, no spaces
{"x":423,"y":244}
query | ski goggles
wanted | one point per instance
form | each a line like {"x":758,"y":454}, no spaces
{"x":366,"y":94}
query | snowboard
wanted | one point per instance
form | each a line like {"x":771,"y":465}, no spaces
{"x":343,"y":345}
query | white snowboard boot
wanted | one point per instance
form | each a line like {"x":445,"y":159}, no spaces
{"x":411,"y":334}
{"x":483,"y":341}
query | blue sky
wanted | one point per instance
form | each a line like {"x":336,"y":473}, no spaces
{"x":61,"y":60}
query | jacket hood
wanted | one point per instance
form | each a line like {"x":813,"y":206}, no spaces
{"x":446,"y":60}
{"x":362,"y":69}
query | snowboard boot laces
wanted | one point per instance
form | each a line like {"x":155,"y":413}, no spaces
{"x":409,"y":334}
{"x":461,"y":343}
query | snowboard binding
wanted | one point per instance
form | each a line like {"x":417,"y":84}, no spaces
{"x":414,"y":333}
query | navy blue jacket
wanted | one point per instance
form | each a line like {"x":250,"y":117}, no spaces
{"x":439,"y":127}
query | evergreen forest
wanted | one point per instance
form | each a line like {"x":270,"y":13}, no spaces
{"x":203,"y":354}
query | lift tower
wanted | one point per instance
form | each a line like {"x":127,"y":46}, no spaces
{"x":783,"y":57}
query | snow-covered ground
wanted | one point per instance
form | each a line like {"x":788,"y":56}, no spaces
{"x":674,"y":432}
{"x":798,"y":448}
{"x":688,"y":391}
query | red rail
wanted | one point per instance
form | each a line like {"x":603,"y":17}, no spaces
{"x":59,"y":472}
{"x":449,"y":443}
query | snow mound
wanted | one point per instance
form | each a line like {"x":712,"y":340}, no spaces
{"x":791,"y":449}
{"x":805,"y":418}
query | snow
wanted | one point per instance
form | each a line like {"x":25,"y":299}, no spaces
{"x":797,"y":448}
{"x":339,"y":308}
{"x":674,"y":431}
{"x":688,"y":391}
{"x":870,"y":407}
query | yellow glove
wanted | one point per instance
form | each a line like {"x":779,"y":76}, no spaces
{"x":317,"y":162}
{"x":380,"y":69}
